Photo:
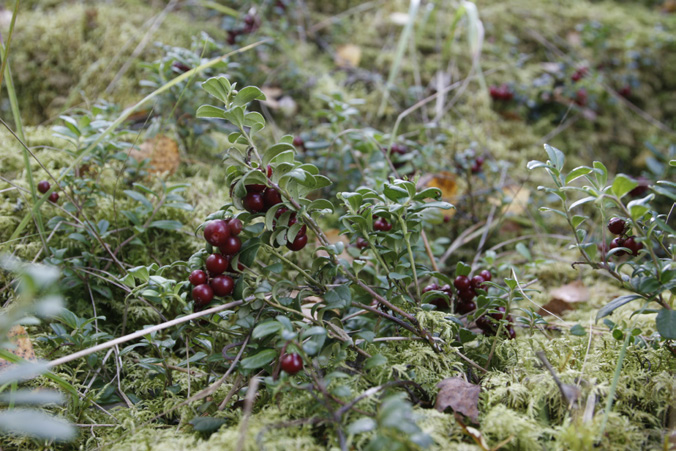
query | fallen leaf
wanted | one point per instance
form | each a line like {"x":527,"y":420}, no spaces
{"x":348,"y":55}
{"x":162,"y":152}
{"x":459,"y":395}
{"x":519,"y":200}
{"x":565,"y":297}
{"x":23,"y":348}
{"x":272,"y":94}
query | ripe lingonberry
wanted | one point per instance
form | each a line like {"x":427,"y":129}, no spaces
{"x":616,"y":226}
{"x":361,"y":243}
{"x":466,"y":307}
{"x":222,"y":285}
{"x":303,"y":228}
{"x":625,"y":91}
{"x":299,"y":143}
{"x":511,"y":333}
{"x":202,"y":294}
{"x":615,"y":243}
{"x":231,"y":246}
{"x":484,"y":323}
{"x":486,"y":275}
{"x":253,"y":202}
{"x":197,"y":277}
{"x":633,"y":245}
{"x":381,"y":225}
{"x":255,"y":188}
{"x":581,"y":97}
{"x":462,"y":283}
{"x":430,"y":287}
{"x":216,"y":231}
{"x":298,"y":243}
{"x":499,"y":314}
{"x":291,"y":363}
{"x":43,"y":186}
{"x":642,"y":188}
{"x":235,"y":226}
{"x":477,"y":282}
{"x":271,"y":197}
{"x":54,"y":197}
{"x":466,"y":295}
{"x":217,"y":264}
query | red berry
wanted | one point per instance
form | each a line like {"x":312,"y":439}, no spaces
{"x":642,"y":188}
{"x":255,"y":188}
{"x":633,"y":245}
{"x":297,"y":244}
{"x":253,"y":203}
{"x":235,"y":226}
{"x":202,"y":294}
{"x":616,"y":226}
{"x":268,"y":172}
{"x":476,"y":168}
{"x":466,"y":295}
{"x":298,"y":142}
{"x":222,"y":285}
{"x":54,"y":197}
{"x":291,"y":363}
{"x":197,"y":277}
{"x":581,"y":97}
{"x":615,"y":243}
{"x":625,"y":91}
{"x":466,"y":307}
{"x":231,"y":246}
{"x":43,"y":186}
{"x":180,"y":67}
{"x":399,"y":149}
{"x":382,"y":225}
{"x":440,"y":303}
{"x":511,"y":333}
{"x":486,"y":275}
{"x":293,"y":220}
{"x":215,"y":232}
{"x":271,"y":197}
{"x":430,"y":287}
{"x":477,"y":282}
{"x":447,"y":289}
{"x":494,"y":91}
{"x":361,"y":243}
{"x":499,"y":314}
{"x":217,"y":264}
{"x":280,"y":211}
{"x":462,"y":283}
{"x":484,"y":323}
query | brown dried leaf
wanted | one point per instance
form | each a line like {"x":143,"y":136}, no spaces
{"x":162,"y":152}
{"x":22,"y":342}
{"x":460,"y":396}
{"x":348,"y":55}
{"x":565,"y":297}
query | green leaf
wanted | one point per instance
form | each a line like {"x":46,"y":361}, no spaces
{"x":364,"y":424}
{"x":578,"y":330}
{"x":259,"y":360}
{"x":639,"y":207}
{"x":615,"y":304}
{"x":461,"y":269}
{"x":139,"y":198}
{"x":218,"y":87}
{"x":577,"y":173}
{"x":266,"y":328}
{"x":206,"y":424}
{"x":23,"y":372}
{"x":34,"y":397}
{"x":272,"y":151}
{"x":210,"y":111}
{"x":166,"y":224}
{"x":254,"y":120}
{"x":534,"y":164}
{"x":376,"y":360}
{"x":556,"y":157}
{"x":582,"y":201}
{"x":622,"y":185}
{"x":248,"y":94}
{"x":666,"y":323}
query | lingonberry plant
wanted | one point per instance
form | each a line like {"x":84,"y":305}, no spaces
{"x":641,"y":256}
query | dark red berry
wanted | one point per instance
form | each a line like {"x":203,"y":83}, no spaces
{"x":486,"y":275}
{"x":231,"y":246}
{"x":381,"y":225}
{"x":633,"y":245}
{"x":54,"y":197}
{"x":466,"y":295}
{"x":616,"y":226}
{"x":255,"y":188}
{"x":235,"y":226}
{"x":253,"y":203}
{"x":202,"y":294}
{"x":430,"y":287}
{"x":447,"y":289}
{"x":484,"y":323}
{"x":232,"y":36}
{"x":298,"y":142}
{"x":297,"y":244}
{"x":361,"y":243}
{"x":466,"y":307}
{"x":625,"y":91}
{"x":615,"y":243}
{"x":462,"y":283}
{"x":291,"y":363}
{"x":477,"y":282}
{"x":216,"y":231}
{"x":268,"y":172}
{"x":280,"y":211}
{"x":180,"y":67}
{"x":222,"y":285}
{"x":511,"y":333}
{"x":43,"y":186}
{"x":440,"y":303}
{"x":642,"y":188}
{"x":271,"y":197}
{"x":399,"y":149}
{"x":581,"y":97}
{"x":217,"y":264}
{"x":499,"y":314}
{"x":293,"y":220}
{"x":197,"y":277}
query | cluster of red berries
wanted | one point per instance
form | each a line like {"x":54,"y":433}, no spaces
{"x":618,"y":226}
{"x":300,"y":240}
{"x":467,"y":290}
{"x":220,"y":233}
{"x":579,"y":74}
{"x":44,"y":186}
{"x":488,"y":323}
{"x":502,"y":92}
{"x":379,"y":225}
{"x":291,"y":363}
{"x":251,"y":24}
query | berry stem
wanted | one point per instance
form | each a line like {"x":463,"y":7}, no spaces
{"x":407,"y":239}
{"x":279,"y":255}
